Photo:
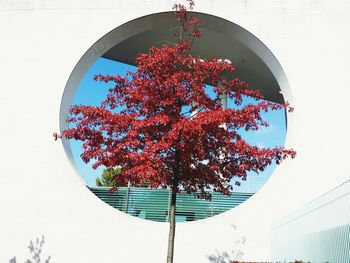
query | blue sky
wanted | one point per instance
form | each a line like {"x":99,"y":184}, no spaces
{"x":91,"y":92}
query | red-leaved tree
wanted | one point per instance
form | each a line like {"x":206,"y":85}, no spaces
{"x":170,"y":132}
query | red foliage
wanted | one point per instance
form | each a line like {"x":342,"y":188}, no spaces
{"x":153,"y":140}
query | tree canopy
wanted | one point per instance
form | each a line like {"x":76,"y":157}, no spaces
{"x":107,"y":177}
{"x":161,"y":126}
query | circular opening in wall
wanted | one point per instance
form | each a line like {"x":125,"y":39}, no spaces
{"x":115,"y":53}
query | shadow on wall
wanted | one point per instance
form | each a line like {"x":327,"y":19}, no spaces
{"x":229,"y":256}
{"x":35,"y":250}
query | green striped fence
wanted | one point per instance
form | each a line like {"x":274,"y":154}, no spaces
{"x":153,"y":204}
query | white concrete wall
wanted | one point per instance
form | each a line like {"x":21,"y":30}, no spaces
{"x":42,"y":41}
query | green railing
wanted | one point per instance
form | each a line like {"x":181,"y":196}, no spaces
{"x":153,"y":204}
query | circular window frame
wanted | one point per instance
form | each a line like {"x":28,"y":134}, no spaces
{"x":151,"y":22}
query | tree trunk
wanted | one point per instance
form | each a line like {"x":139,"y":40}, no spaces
{"x":171,"y":238}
